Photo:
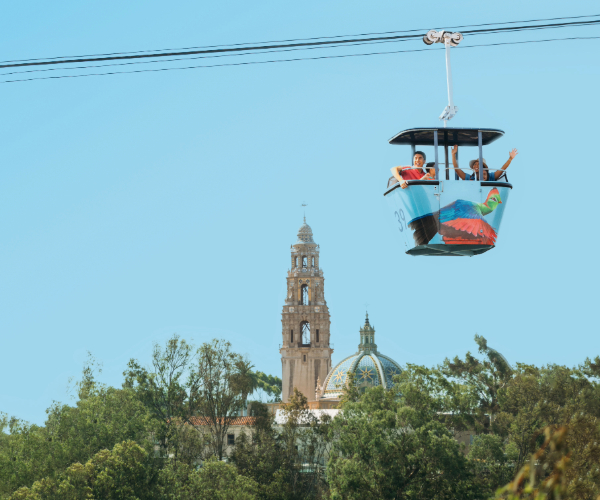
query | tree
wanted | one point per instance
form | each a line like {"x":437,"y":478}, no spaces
{"x":390,"y":447}
{"x":483,"y":379}
{"x":260,"y":455}
{"x":544,"y":477}
{"x":304,"y":438}
{"x":286,"y":460}
{"x":270,"y":385}
{"x":215,"y":480}
{"x":103,"y":417}
{"x":171,"y":391}
{"x":26,"y":454}
{"x":189,"y":389}
{"x":490,"y":463}
{"x":248,"y":379}
{"x":121,"y":474}
{"x":223,"y":380}
{"x":556,"y":397}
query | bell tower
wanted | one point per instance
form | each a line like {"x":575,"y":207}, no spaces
{"x":305,"y":350}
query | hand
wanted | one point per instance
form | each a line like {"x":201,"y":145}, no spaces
{"x":427,"y":177}
{"x":513,"y":153}
{"x":404,"y":184}
{"x":454,"y":149}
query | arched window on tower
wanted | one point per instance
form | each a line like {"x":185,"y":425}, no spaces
{"x":304,"y":261}
{"x":313,"y":262}
{"x":304,"y":295}
{"x":305,"y":329}
{"x":296,"y":260}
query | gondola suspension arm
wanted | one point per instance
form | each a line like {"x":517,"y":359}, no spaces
{"x":449,"y":40}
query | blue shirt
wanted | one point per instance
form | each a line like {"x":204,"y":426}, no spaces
{"x":471,"y":177}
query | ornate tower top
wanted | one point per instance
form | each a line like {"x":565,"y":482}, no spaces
{"x":305,"y":234}
{"x":367,"y":337}
{"x":305,"y":264}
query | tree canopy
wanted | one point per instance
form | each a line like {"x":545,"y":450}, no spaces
{"x":535,"y":434}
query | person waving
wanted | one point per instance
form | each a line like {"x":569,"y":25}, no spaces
{"x":474,"y":165}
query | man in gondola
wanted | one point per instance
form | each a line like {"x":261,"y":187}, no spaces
{"x":416,"y":172}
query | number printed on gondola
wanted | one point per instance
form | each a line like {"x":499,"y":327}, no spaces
{"x":400,"y":216}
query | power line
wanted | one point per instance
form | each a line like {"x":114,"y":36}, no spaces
{"x":298,"y":39}
{"x":292,"y":60}
{"x":305,"y":44}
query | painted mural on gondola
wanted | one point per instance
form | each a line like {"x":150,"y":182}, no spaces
{"x":451,"y":213}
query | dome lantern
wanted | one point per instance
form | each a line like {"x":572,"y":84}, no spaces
{"x":367,"y":337}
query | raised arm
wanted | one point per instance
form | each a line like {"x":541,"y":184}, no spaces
{"x":460,"y":173}
{"x":511,"y":157}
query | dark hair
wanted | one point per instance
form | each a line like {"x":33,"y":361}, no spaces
{"x":420,"y":153}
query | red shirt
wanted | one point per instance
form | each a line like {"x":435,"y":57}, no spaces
{"x":412,"y":174}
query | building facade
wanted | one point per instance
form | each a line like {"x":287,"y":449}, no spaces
{"x":305,"y":323}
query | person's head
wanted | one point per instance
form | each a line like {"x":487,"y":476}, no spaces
{"x":474,"y":164}
{"x":419,"y":159}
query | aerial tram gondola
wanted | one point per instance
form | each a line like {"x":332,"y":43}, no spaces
{"x":442,"y":215}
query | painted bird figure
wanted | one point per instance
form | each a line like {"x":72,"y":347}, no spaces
{"x":460,"y":223}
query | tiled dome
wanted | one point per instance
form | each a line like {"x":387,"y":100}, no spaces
{"x":370,"y":367}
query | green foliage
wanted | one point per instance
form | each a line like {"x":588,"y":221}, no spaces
{"x":144,"y":442}
{"x":121,"y":474}
{"x":482,"y":380}
{"x":490,"y":463}
{"x":170,"y":391}
{"x":215,"y":480}
{"x":384,"y":447}
{"x":184,"y":384}
{"x":555,"y":396}
{"x":104,"y":418}
{"x":287,"y":461}
{"x":259,"y":455}
{"x":544,"y":477}
{"x":303,"y":437}
{"x":270,"y":384}
{"x":224,"y":381}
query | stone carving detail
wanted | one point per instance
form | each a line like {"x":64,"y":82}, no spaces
{"x":319,"y":390}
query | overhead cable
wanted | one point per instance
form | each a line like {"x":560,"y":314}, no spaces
{"x":298,"y":39}
{"x":305,"y":44}
{"x":293,"y":60}
{"x":211,"y":56}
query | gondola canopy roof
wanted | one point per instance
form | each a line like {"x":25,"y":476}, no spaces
{"x":448,"y":135}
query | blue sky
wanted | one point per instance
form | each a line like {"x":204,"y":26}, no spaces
{"x":137,"y":206}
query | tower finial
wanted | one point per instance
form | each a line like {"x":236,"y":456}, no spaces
{"x":304,"y":205}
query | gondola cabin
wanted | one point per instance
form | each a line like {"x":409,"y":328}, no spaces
{"x":447,"y":215}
